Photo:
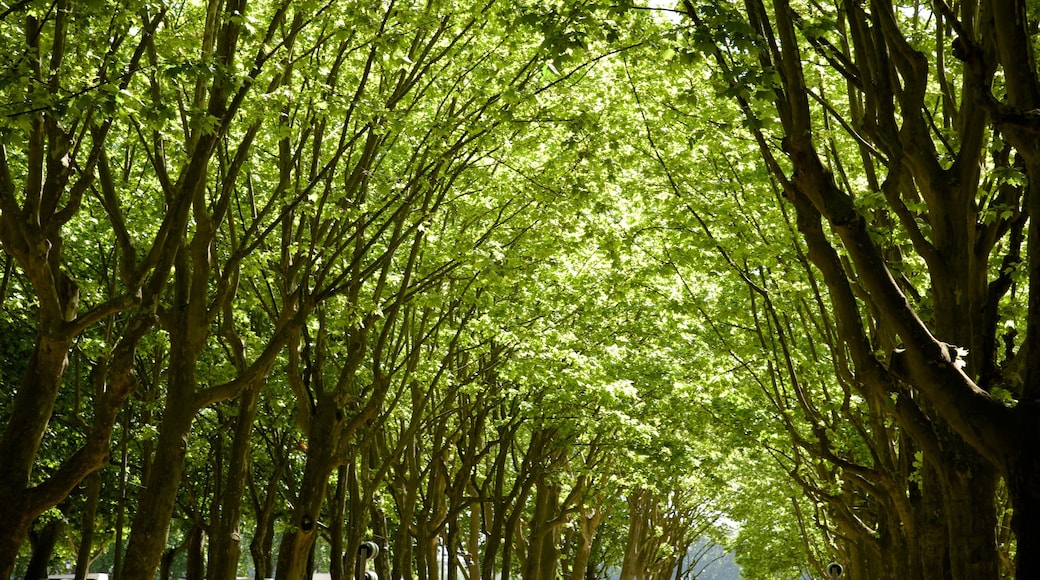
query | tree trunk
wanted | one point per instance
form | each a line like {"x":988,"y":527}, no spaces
{"x":43,"y":549}
{"x":226,"y":538}
{"x":195,"y":567}
{"x":339,"y":566}
{"x":405,"y":492}
{"x":543,"y":555}
{"x":29,"y":416}
{"x":969,"y":493}
{"x":1021,"y":479}
{"x":472,"y":541}
{"x":379,"y":530}
{"x":261,"y":547}
{"x":86,"y":543}
{"x":151,"y":525}
{"x":590,"y":519}
{"x":634,"y":564}
{"x":326,"y":424}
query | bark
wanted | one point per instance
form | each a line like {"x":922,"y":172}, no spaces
{"x":544,"y":555}
{"x":226,"y":539}
{"x":150,"y":527}
{"x":472,"y":541}
{"x":43,"y":544}
{"x":340,"y":564}
{"x":326,"y":425}
{"x":1021,"y":481}
{"x":88,"y":525}
{"x":404,"y":487}
{"x":637,"y":543}
{"x":261,"y":548}
{"x":381,"y":565}
{"x":590,"y":520}
{"x":195,"y":568}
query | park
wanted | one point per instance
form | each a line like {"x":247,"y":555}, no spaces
{"x":538,"y":289}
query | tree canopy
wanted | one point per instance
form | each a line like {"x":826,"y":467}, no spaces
{"x":519,"y":289}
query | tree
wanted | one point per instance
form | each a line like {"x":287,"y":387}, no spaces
{"x":55,"y":96}
{"x":903,"y":131}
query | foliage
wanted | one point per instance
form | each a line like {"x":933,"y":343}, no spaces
{"x":544,"y":283}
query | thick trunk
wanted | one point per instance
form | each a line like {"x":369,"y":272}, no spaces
{"x":16,"y":528}
{"x":931,"y":526}
{"x":29,"y":417}
{"x":543,"y":555}
{"x":1022,"y":477}
{"x":587,"y":524}
{"x":971,"y":518}
{"x":426,"y":557}
{"x":633,"y":565}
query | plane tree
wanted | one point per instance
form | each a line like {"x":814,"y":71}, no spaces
{"x":75,"y":125}
{"x":898,"y":136}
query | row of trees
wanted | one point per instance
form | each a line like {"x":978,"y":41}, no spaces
{"x":555,"y":287}
{"x":898,"y":140}
{"x":281,"y":277}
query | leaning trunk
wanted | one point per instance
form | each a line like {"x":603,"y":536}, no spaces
{"x":30,"y":414}
{"x":43,"y":549}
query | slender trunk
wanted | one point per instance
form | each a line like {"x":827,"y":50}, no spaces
{"x":124,"y":473}
{"x":262,"y":545}
{"x":226,"y":538}
{"x":195,"y":566}
{"x":405,"y":493}
{"x":87,"y":526}
{"x":381,"y":565}
{"x":339,"y":564}
{"x":358,"y":507}
{"x":473,"y":540}
{"x":166,"y":563}
{"x":155,"y":507}
{"x":295,"y":547}
{"x":513,"y":524}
